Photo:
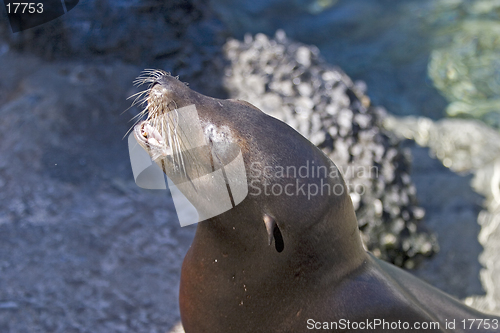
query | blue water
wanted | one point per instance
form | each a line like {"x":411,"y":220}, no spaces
{"x":386,"y":43}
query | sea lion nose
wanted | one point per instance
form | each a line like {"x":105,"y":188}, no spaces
{"x":158,"y":88}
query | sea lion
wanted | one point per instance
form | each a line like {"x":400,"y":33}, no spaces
{"x":317,"y":276}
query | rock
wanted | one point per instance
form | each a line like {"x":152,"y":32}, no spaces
{"x":81,"y":246}
{"x":468,"y":225}
{"x":324,"y":105}
{"x":183,"y":37}
{"x":462,"y":145}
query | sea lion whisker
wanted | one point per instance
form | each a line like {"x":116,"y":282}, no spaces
{"x":151,"y":112}
{"x":139,"y":81}
{"x":175,"y":107}
{"x":149,"y":76}
{"x":137,"y":119}
{"x":135,"y":102}
{"x":140,"y":93}
{"x":181,"y":153}
{"x":140,"y":100}
{"x":131,"y":128}
{"x":171,"y":143}
{"x":177,"y":139}
{"x":180,"y":132}
{"x":178,"y":151}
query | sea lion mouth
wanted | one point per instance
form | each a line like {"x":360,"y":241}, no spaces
{"x":159,"y":133}
{"x":151,"y":139}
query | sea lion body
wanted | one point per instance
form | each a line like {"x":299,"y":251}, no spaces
{"x":317,"y":274}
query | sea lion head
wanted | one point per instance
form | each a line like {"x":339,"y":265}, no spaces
{"x":296,"y":198}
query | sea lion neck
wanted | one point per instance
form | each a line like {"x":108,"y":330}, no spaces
{"x":317,"y":236}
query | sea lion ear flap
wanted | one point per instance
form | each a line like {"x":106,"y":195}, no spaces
{"x":270,"y":224}
{"x":273,"y":232}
